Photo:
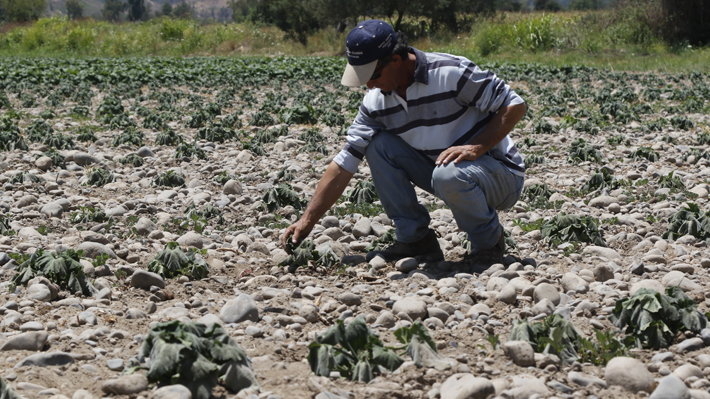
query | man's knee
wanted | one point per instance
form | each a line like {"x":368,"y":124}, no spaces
{"x":447,"y":180}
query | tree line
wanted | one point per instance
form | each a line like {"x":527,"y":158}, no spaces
{"x":677,"y":21}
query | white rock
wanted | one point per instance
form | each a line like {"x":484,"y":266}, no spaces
{"x":630,"y":374}
{"x":466,"y":386}
{"x":520,"y":352}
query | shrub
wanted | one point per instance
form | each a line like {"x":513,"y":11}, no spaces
{"x":174,"y":262}
{"x":572,"y":228}
{"x":671,"y":181}
{"x":168,"y":137}
{"x":169,"y":179}
{"x":185,"y":150}
{"x":644,"y":153}
{"x":129,"y":136}
{"x":63,"y":269}
{"x":690,"y":220}
{"x":363,"y":193}
{"x":600,"y":179}
{"x":88,"y":215}
{"x":132,"y":159}
{"x":99,"y":177}
{"x":280,"y":196}
{"x":197,"y":356}
{"x":25,"y":177}
{"x":357,"y":353}
{"x":654,"y":319}
{"x":582,"y":151}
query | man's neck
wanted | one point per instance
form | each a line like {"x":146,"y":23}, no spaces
{"x":408,"y":76}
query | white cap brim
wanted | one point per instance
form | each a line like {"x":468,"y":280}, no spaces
{"x":358,"y":75}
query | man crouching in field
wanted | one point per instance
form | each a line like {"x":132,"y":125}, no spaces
{"x":435,"y":120}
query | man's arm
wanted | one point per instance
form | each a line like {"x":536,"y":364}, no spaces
{"x":492,"y":134}
{"x":329,"y":189}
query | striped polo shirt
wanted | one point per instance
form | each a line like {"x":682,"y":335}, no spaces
{"x":450,"y":101}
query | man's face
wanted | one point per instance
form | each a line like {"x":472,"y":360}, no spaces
{"x":386,"y":77}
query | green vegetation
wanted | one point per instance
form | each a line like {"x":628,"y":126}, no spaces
{"x":88,"y":215}
{"x":388,"y":238}
{"x":62,"y":269}
{"x":280,"y":196}
{"x":631,"y":37}
{"x":572,"y":228}
{"x":169,"y":179}
{"x":99,"y":177}
{"x":558,"y":336}
{"x":198,"y":356}
{"x":359,"y":355}
{"x":363,"y":192}
{"x":305,"y":252}
{"x":689,"y":220}
{"x":653,"y":319}
{"x":7,"y":392}
{"x":174,"y":262}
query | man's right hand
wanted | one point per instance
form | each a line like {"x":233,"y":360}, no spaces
{"x":295,"y":233}
{"x":330,"y":186}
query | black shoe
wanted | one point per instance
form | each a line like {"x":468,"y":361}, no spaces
{"x":482,"y":260}
{"x":428,"y":247}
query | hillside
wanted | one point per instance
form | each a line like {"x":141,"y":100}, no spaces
{"x":215,"y":9}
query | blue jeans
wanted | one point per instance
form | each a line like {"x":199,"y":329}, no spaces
{"x":473,"y":190}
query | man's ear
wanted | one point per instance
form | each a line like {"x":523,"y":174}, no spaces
{"x":396,"y":60}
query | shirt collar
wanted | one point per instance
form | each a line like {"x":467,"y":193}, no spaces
{"x":421,"y":69}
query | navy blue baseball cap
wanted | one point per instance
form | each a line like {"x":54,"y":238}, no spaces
{"x":366,"y":43}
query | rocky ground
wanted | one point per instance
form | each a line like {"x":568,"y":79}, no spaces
{"x":56,"y":343}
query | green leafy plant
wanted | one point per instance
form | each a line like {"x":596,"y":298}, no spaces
{"x":185,"y":150}
{"x":262,"y":118}
{"x":554,"y":335}
{"x":169,"y":179}
{"x":388,"y":238}
{"x":599,"y":180}
{"x":99,"y":177}
{"x":62,"y":269}
{"x":671,"y":181}
{"x":682,"y":122}
{"x":305,"y":252}
{"x":572,"y":228}
{"x":300,"y":114}
{"x":85,"y":133}
{"x":537,"y":195}
{"x":280,"y":196}
{"x":58,"y":160}
{"x":222,"y":178}
{"x":132,"y":159}
{"x":703,"y":138}
{"x":608,"y":345}
{"x":59,"y":141}
{"x":543,"y":127}
{"x":533,"y":159}
{"x":217,"y":133}
{"x":689,"y":220}
{"x":198,"y":357}
{"x":25,"y":177}
{"x":88,"y":215}
{"x":5,"y":226}
{"x":174,"y":262}
{"x":644,"y":153}
{"x":129,"y":136}
{"x":654,"y":319}
{"x":7,"y":392}
{"x":168,"y":137}
{"x":353,"y":350}
{"x":100,"y":260}
{"x":582,"y":151}
{"x":617,"y":140}
{"x":363,"y":192}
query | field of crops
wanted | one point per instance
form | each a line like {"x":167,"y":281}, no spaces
{"x":138,"y":192}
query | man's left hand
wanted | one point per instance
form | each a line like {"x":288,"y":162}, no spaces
{"x":468,"y":152}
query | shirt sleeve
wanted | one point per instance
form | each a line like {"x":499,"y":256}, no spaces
{"x":483,"y":89}
{"x":360,"y":134}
